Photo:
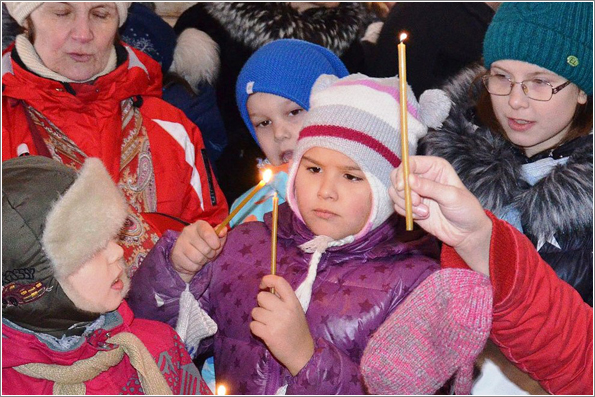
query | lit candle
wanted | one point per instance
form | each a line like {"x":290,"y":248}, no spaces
{"x":221,"y":390}
{"x":404,"y":138}
{"x":266,"y":177}
{"x":274,"y":237}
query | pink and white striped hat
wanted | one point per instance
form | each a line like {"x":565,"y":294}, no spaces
{"x":359,"y":116}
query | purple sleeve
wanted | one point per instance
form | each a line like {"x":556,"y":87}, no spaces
{"x":156,"y":287}
{"x":329,"y":371}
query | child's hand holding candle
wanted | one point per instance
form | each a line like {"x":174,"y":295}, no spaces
{"x":198,"y":244}
{"x":266,"y":177}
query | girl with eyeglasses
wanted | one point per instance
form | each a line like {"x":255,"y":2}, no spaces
{"x":520,"y":136}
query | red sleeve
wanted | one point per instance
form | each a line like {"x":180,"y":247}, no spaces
{"x":540,"y":323}
{"x":186,"y":185}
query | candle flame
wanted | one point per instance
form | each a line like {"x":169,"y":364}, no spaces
{"x":403,"y":36}
{"x":221,"y":390}
{"x":267,"y":175}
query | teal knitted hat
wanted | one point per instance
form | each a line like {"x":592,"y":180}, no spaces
{"x":557,"y":36}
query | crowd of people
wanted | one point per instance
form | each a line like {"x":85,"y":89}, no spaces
{"x":127,"y":143}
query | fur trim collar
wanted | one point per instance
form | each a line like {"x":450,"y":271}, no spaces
{"x":560,"y":203}
{"x":254,"y":25}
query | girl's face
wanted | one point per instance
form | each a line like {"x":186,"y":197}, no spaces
{"x":101,"y":283}
{"x":534,"y":125}
{"x":75,"y":39}
{"x":332,"y":193}
{"x":277,"y":122}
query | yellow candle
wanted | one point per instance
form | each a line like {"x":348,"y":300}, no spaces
{"x":274,"y":237}
{"x":221,"y":390}
{"x":404,"y":138}
{"x":266,"y":177}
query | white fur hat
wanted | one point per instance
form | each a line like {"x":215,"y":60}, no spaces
{"x":81,"y":223}
{"x":20,"y":10}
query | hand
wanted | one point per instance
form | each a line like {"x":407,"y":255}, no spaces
{"x":444,"y":207}
{"x":197,"y":244}
{"x":280,"y":322}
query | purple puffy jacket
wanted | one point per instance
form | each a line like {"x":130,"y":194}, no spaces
{"x":357,"y":287}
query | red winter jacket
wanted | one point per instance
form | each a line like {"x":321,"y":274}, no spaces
{"x":540,"y":323}
{"x":91,"y":116}
{"x":23,"y":347}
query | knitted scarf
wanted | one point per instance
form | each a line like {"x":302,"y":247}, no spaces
{"x":69,"y":379}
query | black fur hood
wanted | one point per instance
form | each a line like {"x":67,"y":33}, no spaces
{"x":254,"y":25}
{"x":560,"y":204}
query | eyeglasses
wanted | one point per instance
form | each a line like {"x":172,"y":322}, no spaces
{"x":536,"y":89}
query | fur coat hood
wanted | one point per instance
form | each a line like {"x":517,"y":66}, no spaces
{"x":561,"y":203}
{"x":249,"y":26}
{"x":253,"y":25}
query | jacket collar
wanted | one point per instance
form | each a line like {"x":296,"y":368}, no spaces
{"x":136,"y":74}
{"x":388,"y":239}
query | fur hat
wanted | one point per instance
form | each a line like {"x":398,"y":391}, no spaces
{"x":359,"y":116}
{"x":287,"y":68}
{"x":557,"y":36}
{"x":20,"y":10}
{"x":53,"y":221}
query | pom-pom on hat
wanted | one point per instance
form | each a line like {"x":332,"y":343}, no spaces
{"x":557,"y":36}
{"x":20,"y":10}
{"x":359,"y":116}
{"x":287,"y":68}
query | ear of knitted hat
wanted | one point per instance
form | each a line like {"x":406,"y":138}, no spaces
{"x":437,"y":332}
{"x":287,"y":68}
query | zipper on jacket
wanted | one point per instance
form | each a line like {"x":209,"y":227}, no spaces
{"x":207,"y":163}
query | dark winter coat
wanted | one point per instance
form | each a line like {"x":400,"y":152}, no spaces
{"x":239,"y":29}
{"x":444,"y":37}
{"x":357,"y":287}
{"x":559,"y":206}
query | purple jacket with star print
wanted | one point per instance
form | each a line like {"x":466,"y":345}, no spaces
{"x":357,"y":287}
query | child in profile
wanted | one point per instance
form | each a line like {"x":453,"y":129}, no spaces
{"x":65,"y":327}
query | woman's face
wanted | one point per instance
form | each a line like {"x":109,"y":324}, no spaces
{"x":277,"y":122}
{"x":532,"y":125}
{"x":332,"y":193}
{"x":75,"y":39}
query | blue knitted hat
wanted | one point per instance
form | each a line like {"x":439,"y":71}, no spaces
{"x":287,"y":68}
{"x":557,"y":36}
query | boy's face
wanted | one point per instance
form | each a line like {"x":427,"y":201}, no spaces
{"x":332,"y":193}
{"x":277,"y":122}
{"x":101,"y":283}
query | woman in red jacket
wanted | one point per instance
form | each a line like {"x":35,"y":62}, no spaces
{"x":72,"y":90}
{"x":540,"y":322}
